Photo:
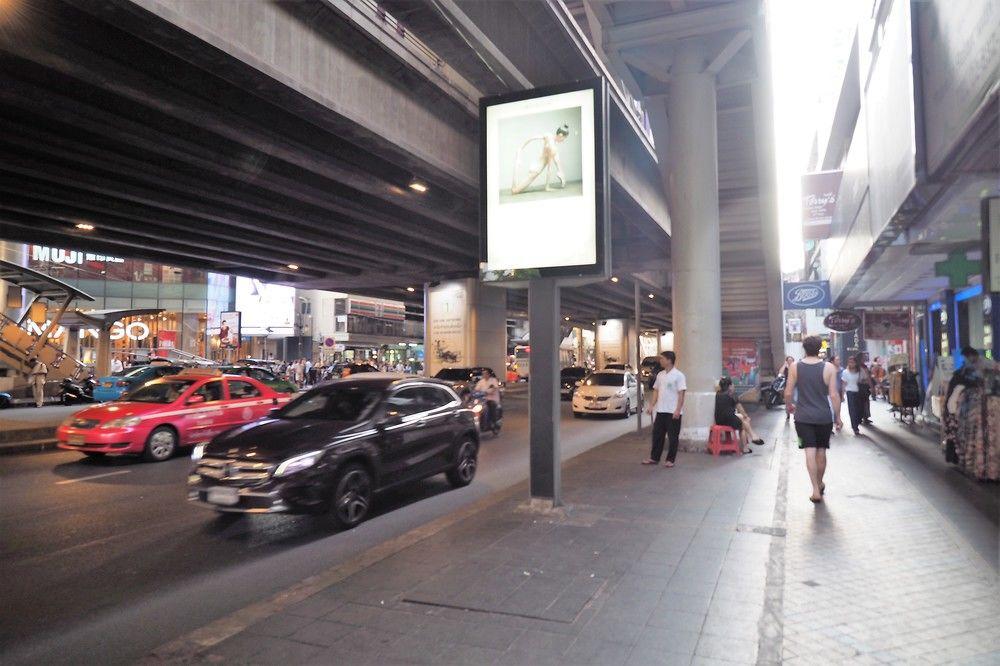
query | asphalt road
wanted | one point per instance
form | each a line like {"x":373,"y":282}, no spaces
{"x":104,"y":560}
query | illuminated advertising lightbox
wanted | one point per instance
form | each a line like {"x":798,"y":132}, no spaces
{"x":266,"y":309}
{"x":229,"y":330}
{"x":543,"y":183}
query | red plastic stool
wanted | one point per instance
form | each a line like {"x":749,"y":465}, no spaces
{"x":724,"y":438}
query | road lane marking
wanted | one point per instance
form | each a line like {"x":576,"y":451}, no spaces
{"x":95,"y":476}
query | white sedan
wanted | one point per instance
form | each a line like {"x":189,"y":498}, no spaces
{"x":607,"y":392}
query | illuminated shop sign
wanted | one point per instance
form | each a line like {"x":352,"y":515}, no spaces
{"x":56,"y":255}
{"x":135,"y":331}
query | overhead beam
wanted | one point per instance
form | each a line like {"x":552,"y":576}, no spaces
{"x":682,"y":25}
{"x":437,"y":71}
{"x":648,"y":64}
{"x":495,"y":59}
{"x":729,"y":50}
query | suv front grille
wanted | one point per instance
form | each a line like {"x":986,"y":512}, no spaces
{"x":227,"y":469}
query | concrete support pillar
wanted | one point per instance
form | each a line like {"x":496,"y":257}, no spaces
{"x":611,"y":343}
{"x":465,"y":324}
{"x":102,"y":365}
{"x":71,"y":343}
{"x":693,"y":182}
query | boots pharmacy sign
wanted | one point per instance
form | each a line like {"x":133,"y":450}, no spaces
{"x":819,"y":201}
{"x":812,"y":295}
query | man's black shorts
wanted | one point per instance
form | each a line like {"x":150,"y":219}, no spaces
{"x":814,"y":435}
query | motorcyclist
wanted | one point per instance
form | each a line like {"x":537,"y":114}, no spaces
{"x":489,"y":386}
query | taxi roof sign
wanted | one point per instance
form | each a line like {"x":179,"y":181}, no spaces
{"x":200,"y":372}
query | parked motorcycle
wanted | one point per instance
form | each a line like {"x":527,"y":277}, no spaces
{"x":773,"y":394}
{"x":477,"y":403}
{"x":74,"y":393}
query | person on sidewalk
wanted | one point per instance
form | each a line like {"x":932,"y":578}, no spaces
{"x":864,"y":390}
{"x":39,"y":371}
{"x":850,"y":377}
{"x":666,"y":404}
{"x":117,"y":367}
{"x":816,"y":409}
{"x":729,"y":412}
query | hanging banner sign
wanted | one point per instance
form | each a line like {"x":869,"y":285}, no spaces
{"x":806,"y":295}
{"x":819,"y":201}
{"x":843,"y":321}
{"x":887,"y":325}
{"x":230,"y":330}
{"x":991,"y":238}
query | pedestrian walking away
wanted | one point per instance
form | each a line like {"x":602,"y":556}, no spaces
{"x":39,"y":371}
{"x":666,"y":405}
{"x":812,"y":396}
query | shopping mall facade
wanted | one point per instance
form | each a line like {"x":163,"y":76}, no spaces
{"x":278,"y":322}
{"x":910,"y":155}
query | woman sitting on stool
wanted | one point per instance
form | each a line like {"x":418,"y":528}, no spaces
{"x":729,"y":412}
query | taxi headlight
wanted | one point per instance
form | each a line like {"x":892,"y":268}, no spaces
{"x":124,"y":422}
{"x":198,"y":452}
{"x":298,"y":463}
{"x":68,"y":423}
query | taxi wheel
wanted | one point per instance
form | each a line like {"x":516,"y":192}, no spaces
{"x":161,"y":445}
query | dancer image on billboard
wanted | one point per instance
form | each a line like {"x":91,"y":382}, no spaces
{"x":548,"y":159}
{"x":541,"y":158}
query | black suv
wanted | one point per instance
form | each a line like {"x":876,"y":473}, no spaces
{"x":332,"y":448}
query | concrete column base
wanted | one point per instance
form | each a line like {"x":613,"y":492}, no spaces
{"x":543,"y":507}
{"x":699,"y":415}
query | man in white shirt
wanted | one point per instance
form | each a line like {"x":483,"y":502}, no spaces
{"x":666,"y":404}
{"x":37,"y":375}
{"x":116,"y":365}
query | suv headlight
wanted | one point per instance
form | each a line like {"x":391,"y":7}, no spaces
{"x":298,"y":463}
{"x":125,"y":422}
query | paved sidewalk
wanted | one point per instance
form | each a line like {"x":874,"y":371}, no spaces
{"x":718,"y":560}
{"x":25,"y":429}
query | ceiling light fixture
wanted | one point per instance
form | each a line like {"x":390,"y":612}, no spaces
{"x":566,"y":318}
{"x":418,"y":185}
{"x":651,"y":296}
{"x":83,"y":226}
{"x":294,"y":267}
{"x":410,"y":289}
{"x":614,"y":278}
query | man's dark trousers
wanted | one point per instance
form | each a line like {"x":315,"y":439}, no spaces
{"x":665,"y":425}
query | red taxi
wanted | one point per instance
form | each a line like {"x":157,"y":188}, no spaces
{"x":156,"y":419}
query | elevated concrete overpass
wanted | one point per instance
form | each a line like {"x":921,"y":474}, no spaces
{"x":245,"y":137}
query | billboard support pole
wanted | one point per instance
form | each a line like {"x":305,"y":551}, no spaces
{"x":543,"y":393}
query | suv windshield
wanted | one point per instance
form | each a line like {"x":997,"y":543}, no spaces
{"x":454,"y":374}
{"x":576,"y":373}
{"x":333,"y":403}
{"x":160,"y":392}
{"x":135,"y":372}
{"x":605,"y":379}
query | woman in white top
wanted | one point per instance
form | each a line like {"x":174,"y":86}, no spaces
{"x":850,"y":378}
